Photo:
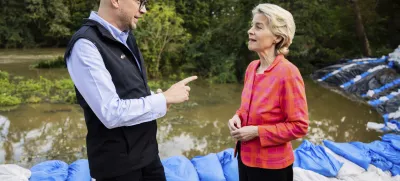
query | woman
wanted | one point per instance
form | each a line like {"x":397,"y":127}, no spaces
{"x":273,"y":111}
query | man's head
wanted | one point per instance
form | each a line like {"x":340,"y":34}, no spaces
{"x":124,"y":14}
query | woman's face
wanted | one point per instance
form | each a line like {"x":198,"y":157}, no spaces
{"x":260,"y":36}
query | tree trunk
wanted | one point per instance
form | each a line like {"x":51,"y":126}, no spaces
{"x":360,"y":29}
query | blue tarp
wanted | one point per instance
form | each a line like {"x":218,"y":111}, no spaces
{"x":54,"y":170}
{"x":316,"y":159}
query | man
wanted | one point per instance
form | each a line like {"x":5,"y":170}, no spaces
{"x":108,"y":71}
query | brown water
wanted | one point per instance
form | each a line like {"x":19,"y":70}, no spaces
{"x":33,"y":133}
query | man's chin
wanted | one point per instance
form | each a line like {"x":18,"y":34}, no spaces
{"x":133,"y":26}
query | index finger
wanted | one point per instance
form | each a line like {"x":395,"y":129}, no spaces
{"x":187,"y":80}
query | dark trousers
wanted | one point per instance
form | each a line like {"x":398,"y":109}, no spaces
{"x":152,"y":172}
{"x":260,"y":174}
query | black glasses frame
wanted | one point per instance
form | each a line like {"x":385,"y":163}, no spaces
{"x":142,"y":4}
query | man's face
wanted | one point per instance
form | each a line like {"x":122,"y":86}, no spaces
{"x":131,"y":11}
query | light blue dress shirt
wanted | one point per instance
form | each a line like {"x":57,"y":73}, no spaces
{"x":92,"y":79}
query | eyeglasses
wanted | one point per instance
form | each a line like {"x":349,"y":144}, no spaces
{"x":142,"y":4}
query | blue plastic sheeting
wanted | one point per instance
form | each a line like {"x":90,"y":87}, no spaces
{"x":208,"y":168}
{"x":229,"y":164}
{"x":79,"y":171}
{"x":316,"y":159}
{"x":386,"y":150}
{"x":356,"y":152}
{"x":179,"y":168}
{"x":50,"y":171}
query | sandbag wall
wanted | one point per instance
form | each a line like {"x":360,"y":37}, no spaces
{"x":375,"y":81}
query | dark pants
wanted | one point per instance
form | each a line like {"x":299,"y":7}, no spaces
{"x":260,"y":174}
{"x":152,"y":172}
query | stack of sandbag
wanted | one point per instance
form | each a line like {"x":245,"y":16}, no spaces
{"x":222,"y":166}
{"x":379,"y":159}
{"x":54,"y":170}
{"x":376,"y":81}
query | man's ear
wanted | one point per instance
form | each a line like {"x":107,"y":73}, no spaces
{"x":115,"y":3}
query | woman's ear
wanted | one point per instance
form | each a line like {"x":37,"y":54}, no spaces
{"x":278,"y":39}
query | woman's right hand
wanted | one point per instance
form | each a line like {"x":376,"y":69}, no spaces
{"x":234,"y":123}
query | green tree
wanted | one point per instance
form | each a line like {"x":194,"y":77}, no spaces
{"x":159,"y":35}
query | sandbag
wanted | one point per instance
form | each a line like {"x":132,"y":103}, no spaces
{"x":79,"y":171}
{"x":229,"y":164}
{"x":315,"y":158}
{"x":395,"y":170}
{"x":393,"y":139}
{"x":11,"y":172}
{"x":344,"y":75}
{"x":351,"y":152}
{"x":389,"y":106}
{"x":373,"y":81}
{"x":53,"y":170}
{"x":348,"y":169}
{"x":373,"y":173}
{"x":300,"y":174}
{"x":179,"y":168}
{"x":394,"y":58}
{"x":390,"y":137}
{"x":380,"y":161}
{"x":395,"y":144}
{"x":208,"y":168}
{"x":386,"y":150}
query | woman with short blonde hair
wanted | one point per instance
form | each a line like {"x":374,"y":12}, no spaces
{"x":273,"y":111}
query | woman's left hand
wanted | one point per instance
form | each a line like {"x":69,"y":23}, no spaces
{"x":245,"y":133}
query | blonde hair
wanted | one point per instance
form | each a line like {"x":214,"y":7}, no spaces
{"x":281,"y":23}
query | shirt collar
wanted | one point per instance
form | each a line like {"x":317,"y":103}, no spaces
{"x":119,"y":35}
{"x":274,"y":63}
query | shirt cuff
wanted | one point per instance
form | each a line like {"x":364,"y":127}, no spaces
{"x":158,"y":104}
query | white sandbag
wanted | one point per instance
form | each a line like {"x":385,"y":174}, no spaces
{"x":10,"y":172}
{"x":373,"y":174}
{"x":349,"y":169}
{"x":300,"y":174}
{"x":396,"y":178}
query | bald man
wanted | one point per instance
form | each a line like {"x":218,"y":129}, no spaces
{"x":110,"y":80}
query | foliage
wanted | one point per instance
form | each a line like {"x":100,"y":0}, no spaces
{"x":55,"y":63}
{"x":14,"y":91}
{"x":208,"y":38}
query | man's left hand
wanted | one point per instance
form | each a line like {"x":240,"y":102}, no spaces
{"x":245,"y":133}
